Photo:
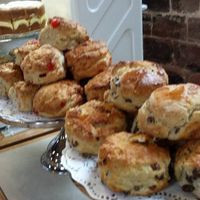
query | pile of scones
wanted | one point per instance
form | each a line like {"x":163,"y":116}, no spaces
{"x":67,"y":74}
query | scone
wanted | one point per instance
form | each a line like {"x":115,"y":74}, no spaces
{"x":88,"y":125}
{"x":9,"y":74}
{"x":55,"y":99}
{"x":133,"y":82}
{"x":24,"y":50}
{"x":172,"y":112}
{"x":44,"y":65}
{"x":133,"y":164}
{"x":96,"y":87}
{"x":187,"y":167}
{"x":88,"y":59}
{"x":21,"y":94}
{"x":63,"y":34}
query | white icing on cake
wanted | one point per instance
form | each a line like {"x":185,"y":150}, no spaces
{"x":21,"y":4}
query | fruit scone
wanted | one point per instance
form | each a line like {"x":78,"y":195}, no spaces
{"x":21,"y":52}
{"x":187,"y":167}
{"x":9,"y":74}
{"x":44,"y":65}
{"x":133,"y":164}
{"x":172,"y":112}
{"x":63,"y":34}
{"x":55,"y":99}
{"x":88,"y":59}
{"x":22,"y":94}
{"x":133,"y":82}
{"x":88,"y":125}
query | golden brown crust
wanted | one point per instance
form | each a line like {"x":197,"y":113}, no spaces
{"x":132,"y":83}
{"x":88,"y":59}
{"x":67,"y":35}
{"x":25,"y":49}
{"x":172,"y":112}
{"x":9,"y":74}
{"x":21,"y":94}
{"x":55,"y":99}
{"x":44,"y":65}
{"x":187,"y":167}
{"x":88,"y":125}
{"x":96,"y":87}
{"x":130,"y":164}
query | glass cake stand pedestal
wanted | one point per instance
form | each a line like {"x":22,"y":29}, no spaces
{"x":51,"y":158}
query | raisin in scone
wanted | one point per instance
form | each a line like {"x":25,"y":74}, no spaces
{"x":88,"y":125}
{"x":133,"y":164}
{"x":172,"y":112}
{"x":133,"y":82}
{"x":187,"y":167}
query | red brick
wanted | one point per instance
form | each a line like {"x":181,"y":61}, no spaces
{"x":187,"y":55}
{"x":147,"y":28}
{"x":157,"y":50}
{"x":147,"y":23}
{"x":169,"y":26}
{"x":194,"y":78}
{"x":185,"y":5}
{"x":194,"y":29}
{"x":157,"y":5}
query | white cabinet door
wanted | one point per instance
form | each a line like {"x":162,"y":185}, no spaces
{"x":118,"y":22}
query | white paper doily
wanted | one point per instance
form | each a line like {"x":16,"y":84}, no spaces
{"x":84,"y":171}
{"x":9,"y":114}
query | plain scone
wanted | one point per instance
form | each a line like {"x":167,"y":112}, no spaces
{"x":55,"y":99}
{"x":88,"y":59}
{"x":21,"y":52}
{"x":133,"y":82}
{"x":88,"y":125}
{"x":187,"y":167}
{"x":21,"y":94}
{"x":172,"y":112}
{"x":63,"y":34}
{"x":44,"y":65}
{"x":9,"y":74}
{"x":133,"y":164}
{"x":96,"y":87}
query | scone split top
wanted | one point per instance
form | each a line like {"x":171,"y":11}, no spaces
{"x":172,"y":112}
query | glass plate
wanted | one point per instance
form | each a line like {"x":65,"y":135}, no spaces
{"x":9,"y":114}
{"x":84,"y":171}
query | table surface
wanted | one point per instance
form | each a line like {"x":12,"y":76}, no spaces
{"x":23,"y":178}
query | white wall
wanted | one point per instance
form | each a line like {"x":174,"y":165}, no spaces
{"x":58,"y":8}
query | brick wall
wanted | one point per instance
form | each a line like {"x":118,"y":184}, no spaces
{"x":172,"y":36}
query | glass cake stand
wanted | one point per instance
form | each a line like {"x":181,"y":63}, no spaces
{"x":51,"y":158}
